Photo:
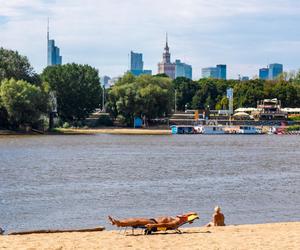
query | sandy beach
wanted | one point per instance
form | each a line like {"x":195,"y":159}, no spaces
{"x":264,"y":236}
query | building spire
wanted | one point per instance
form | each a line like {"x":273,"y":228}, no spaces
{"x":167,"y":45}
{"x":48,"y":29}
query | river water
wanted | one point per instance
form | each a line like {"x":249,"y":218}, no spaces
{"x":57,"y":182}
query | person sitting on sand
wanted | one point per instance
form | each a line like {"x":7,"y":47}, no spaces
{"x":1,"y":231}
{"x":218,"y":219}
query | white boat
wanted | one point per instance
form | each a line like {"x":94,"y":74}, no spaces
{"x":209,"y":130}
{"x":248,"y":130}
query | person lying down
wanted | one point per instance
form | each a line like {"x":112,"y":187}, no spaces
{"x":164,"y":221}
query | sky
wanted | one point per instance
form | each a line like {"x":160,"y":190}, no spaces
{"x":245,"y":35}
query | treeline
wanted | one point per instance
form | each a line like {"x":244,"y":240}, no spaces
{"x":27,"y":98}
{"x":212,"y":93}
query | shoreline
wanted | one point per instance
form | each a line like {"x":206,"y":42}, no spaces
{"x":75,"y":131}
{"x":283,"y":235}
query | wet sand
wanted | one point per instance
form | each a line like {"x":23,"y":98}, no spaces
{"x":264,"y":236}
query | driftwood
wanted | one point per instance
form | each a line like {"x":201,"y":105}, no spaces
{"x":98,"y":229}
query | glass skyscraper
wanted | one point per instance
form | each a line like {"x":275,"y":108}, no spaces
{"x":271,"y":72}
{"x":137,"y":64}
{"x":53,"y":52}
{"x":210,"y":72}
{"x":183,"y":70}
{"x":222,"y":71}
{"x":275,"y":70}
{"x":219,"y":72}
{"x":264,"y":74}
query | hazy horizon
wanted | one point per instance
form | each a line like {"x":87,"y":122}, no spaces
{"x":244,"y":35}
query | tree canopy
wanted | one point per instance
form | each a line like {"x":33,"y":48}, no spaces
{"x":23,"y":102}
{"x":77,"y":88}
{"x":14,"y":65}
{"x":149,"y":96}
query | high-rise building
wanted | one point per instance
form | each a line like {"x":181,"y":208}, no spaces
{"x":264,"y":74}
{"x":53,"y":52}
{"x":275,"y":70}
{"x":105,"y":81}
{"x":136,"y":61}
{"x":271,"y":72}
{"x":183,"y":70}
{"x":210,"y":72}
{"x":222,"y":71}
{"x":218,"y":72}
{"x":137,"y":64}
{"x":166,"y":67}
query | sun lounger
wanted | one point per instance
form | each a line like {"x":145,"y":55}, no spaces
{"x":171,"y":226}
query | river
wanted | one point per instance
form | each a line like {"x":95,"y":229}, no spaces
{"x":59,"y":182}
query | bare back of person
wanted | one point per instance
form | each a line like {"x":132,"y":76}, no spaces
{"x":218,"y":219}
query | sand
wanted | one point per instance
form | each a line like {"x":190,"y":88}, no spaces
{"x":266,"y":236}
{"x":118,"y":131}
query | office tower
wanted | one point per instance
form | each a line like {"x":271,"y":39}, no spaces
{"x":136,"y":61}
{"x":105,"y":81}
{"x":183,"y":70}
{"x":271,"y":72}
{"x":222,"y":71}
{"x":53,"y":52}
{"x":264,"y":74}
{"x":218,"y":72}
{"x":137,"y":64}
{"x":275,"y":70}
{"x":166,"y":67}
{"x":211,"y":72}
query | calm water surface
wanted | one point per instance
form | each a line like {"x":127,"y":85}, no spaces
{"x":76,"y":181}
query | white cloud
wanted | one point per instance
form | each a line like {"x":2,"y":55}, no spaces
{"x":102,"y":32}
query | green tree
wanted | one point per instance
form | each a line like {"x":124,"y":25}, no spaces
{"x":149,"y":96}
{"x":14,"y":65}
{"x":23,"y":102}
{"x":185,"y":91}
{"x":246,"y":94}
{"x":77,"y":89}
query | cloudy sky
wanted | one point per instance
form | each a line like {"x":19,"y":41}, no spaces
{"x":245,"y":35}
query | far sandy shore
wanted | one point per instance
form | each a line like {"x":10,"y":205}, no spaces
{"x":265,"y":236}
{"x":118,"y":131}
{"x":75,"y":131}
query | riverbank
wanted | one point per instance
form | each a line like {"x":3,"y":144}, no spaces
{"x":81,"y":131}
{"x":264,"y":236}
{"x":116,"y":131}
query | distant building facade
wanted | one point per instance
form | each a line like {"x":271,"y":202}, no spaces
{"x":275,"y":70}
{"x":137,"y":64}
{"x":222,"y":71}
{"x":183,"y":70}
{"x":271,"y":72}
{"x":218,"y":72}
{"x":210,"y":72}
{"x":53,"y":52}
{"x":166,"y":67}
{"x":105,"y":80}
{"x":264,"y":74}
{"x":245,"y":78}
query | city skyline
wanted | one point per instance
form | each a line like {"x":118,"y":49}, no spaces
{"x":205,"y":34}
